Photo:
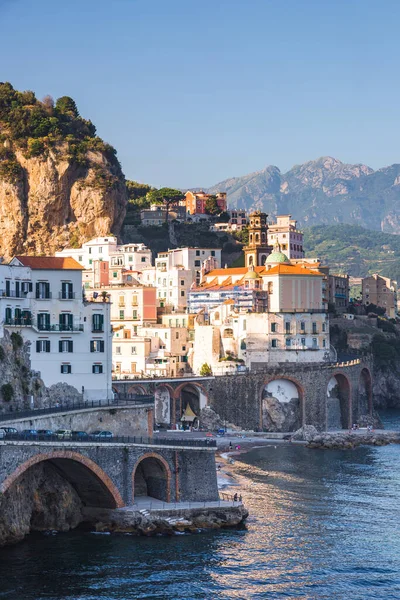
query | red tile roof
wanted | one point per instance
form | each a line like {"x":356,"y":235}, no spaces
{"x":50,"y":262}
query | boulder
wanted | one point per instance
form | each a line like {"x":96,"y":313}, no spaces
{"x":306,"y":433}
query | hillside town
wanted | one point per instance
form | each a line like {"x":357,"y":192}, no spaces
{"x":106,"y":311}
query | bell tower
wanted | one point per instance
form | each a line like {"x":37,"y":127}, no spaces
{"x":257,"y":249}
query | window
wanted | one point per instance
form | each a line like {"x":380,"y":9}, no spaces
{"x":43,"y":321}
{"x":130,"y":258}
{"x":97,"y":322}
{"x":287,"y":327}
{"x":314,"y":342}
{"x":182,"y":282}
{"x":100,"y":250}
{"x":121,"y":300}
{"x":96,"y":345}
{"x":133,"y":349}
{"x":65,"y":346}
{"x":66,"y":322}
{"x":97,"y":369}
{"x":303,"y":341}
{"x":302,"y":326}
{"x":67,"y":291}
{"x":183,"y":348}
{"x":134,"y":300}
{"x":115,"y":274}
{"x":118,"y":350}
{"x":270,"y":287}
{"x":197,"y":263}
{"x":314,"y":327}
{"x":65,"y":369}
{"x":212,"y":252}
{"x":324,"y":327}
{"x":288,"y":342}
{"x":197,"y":252}
{"x":122,"y":314}
{"x":42,"y":345}
{"x":42,"y":290}
{"x":177,"y":335}
{"x":274,"y":327}
{"x":244,"y":325}
{"x":90,"y":251}
{"x":134,"y":315}
{"x":324,"y":343}
{"x":80,"y":258}
{"x":182,"y":293}
{"x":90,"y":261}
{"x":143,"y":259}
{"x":274,"y":343}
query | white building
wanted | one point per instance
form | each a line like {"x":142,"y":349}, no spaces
{"x":70,"y":339}
{"x":285,"y":233}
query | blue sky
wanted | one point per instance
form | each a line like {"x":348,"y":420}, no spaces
{"x":192,"y":92}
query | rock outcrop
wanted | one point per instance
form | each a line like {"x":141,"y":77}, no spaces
{"x":346,"y":440}
{"x":42,"y":500}
{"x":60,"y":184}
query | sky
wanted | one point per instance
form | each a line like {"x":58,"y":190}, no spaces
{"x":193,"y":92}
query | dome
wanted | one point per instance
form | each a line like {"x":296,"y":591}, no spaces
{"x":277,"y":256}
{"x":251,"y":274}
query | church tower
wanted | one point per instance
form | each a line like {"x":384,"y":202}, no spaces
{"x":257,"y":249}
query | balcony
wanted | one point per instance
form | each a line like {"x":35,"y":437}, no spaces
{"x":13,"y":294}
{"x":67,"y":295}
{"x":18,"y":322}
{"x":57,"y":328}
{"x":43,"y":296}
{"x":98,"y":329}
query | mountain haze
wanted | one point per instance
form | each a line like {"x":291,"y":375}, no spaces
{"x":323,"y":191}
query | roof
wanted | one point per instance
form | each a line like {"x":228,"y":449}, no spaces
{"x":280,"y":269}
{"x":277,"y":257}
{"x":288,"y":269}
{"x":50,"y":262}
{"x":233,"y":271}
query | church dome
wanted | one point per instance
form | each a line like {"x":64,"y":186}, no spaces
{"x":277,"y":256}
{"x":251,"y":274}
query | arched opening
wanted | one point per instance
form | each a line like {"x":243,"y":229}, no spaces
{"x":281,"y":406}
{"x":136,"y":390}
{"x":190,"y":400}
{"x":338,"y":402}
{"x":365,"y":393}
{"x":162,"y":398}
{"x":50,"y":491}
{"x":151,"y":478}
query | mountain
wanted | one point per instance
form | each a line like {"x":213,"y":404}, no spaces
{"x":323,"y":191}
{"x":60,"y":184}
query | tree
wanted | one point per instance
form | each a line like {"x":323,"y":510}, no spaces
{"x":67,"y":106}
{"x":212,"y":207}
{"x":205,"y":370}
{"x":166,"y":196}
{"x":48,"y":102}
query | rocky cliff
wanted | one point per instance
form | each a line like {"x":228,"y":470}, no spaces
{"x":323,"y":191}
{"x":60,"y":184}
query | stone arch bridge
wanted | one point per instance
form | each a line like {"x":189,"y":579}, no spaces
{"x":270,"y":398}
{"x":112,"y":475}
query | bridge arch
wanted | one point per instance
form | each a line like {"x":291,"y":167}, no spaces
{"x":189,"y":394}
{"x":151,"y":477}
{"x":339,"y":401}
{"x":92,"y":484}
{"x":136,"y":389}
{"x":282,"y":405}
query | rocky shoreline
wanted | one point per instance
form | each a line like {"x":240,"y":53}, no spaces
{"x":345,"y":440}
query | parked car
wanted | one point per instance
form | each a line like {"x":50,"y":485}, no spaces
{"x":79,"y":435}
{"x":63,"y":434}
{"x":28,"y":434}
{"x":10,"y":430}
{"x":45,"y":433}
{"x":102,"y":434}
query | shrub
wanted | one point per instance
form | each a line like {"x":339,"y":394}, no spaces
{"x":16,"y":340}
{"x":7,"y":392}
{"x":205,"y":370}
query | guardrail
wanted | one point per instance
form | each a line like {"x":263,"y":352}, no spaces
{"x":140,"y":440}
{"x":74,"y":406}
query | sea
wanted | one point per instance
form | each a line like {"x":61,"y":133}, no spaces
{"x":323,"y":525}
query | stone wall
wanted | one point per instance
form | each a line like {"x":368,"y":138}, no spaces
{"x":121,"y":421}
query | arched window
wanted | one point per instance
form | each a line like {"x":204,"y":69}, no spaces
{"x":270,"y":287}
{"x":228,"y":333}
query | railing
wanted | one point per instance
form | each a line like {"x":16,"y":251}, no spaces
{"x":13,"y":294}
{"x":66,"y":295}
{"x":44,"y":296}
{"x":125,"y":439}
{"x":18,"y":322}
{"x":59,"y":327}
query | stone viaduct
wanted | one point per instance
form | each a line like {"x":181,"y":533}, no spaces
{"x":273,"y":398}
{"x":112,"y":475}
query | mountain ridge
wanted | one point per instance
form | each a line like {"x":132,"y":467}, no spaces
{"x":322,"y":191}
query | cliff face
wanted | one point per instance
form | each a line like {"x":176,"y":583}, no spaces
{"x":60,"y":184}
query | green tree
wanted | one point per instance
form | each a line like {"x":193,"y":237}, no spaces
{"x":166,"y":196}
{"x":205,"y":370}
{"x":212,"y":207}
{"x":67,"y":106}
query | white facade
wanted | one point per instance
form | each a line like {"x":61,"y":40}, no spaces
{"x":70,"y":339}
{"x":285,"y":232}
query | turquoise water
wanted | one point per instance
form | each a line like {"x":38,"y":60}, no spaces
{"x":324,"y":525}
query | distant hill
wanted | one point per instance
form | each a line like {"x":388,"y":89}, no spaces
{"x":323,"y":191}
{"x":354,"y":250}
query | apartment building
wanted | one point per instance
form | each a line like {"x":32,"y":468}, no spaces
{"x":287,"y":235}
{"x":196,"y":202}
{"x":70,"y":339}
{"x":381,"y":291}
